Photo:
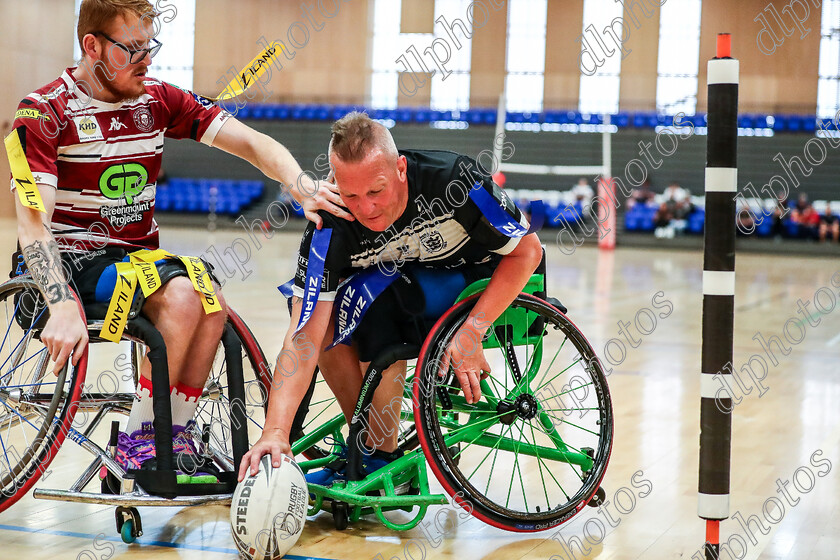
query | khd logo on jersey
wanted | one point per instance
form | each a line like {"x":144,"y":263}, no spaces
{"x":87,"y":128}
{"x":123,"y":181}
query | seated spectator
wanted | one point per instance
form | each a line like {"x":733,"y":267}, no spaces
{"x":779,"y":212}
{"x":676,"y":206}
{"x":641,"y":195}
{"x":583,"y":193}
{"x":744,"y":218}
{"x":801,"y":203}
{"x":829,"y":222}
{"x":809,"y":222}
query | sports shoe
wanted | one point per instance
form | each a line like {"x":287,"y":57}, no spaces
{"x":336,"y":470}
{"x":191,"y":466}
{"x":136,"y":451}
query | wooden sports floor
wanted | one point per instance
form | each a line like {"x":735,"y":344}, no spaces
{"x":789,"y":433}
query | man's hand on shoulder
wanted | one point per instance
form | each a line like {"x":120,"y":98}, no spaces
{"x":322,"y":195}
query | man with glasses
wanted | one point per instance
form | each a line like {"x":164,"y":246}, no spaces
{"x":92,"y":141}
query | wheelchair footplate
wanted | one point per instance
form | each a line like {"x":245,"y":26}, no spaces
{"x":376,"y":493}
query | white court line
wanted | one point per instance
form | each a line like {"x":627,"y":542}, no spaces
{"x":833,"y":341}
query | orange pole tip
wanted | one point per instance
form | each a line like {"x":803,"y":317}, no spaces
{"x":724,"y":45}
{"x":712,"y":531}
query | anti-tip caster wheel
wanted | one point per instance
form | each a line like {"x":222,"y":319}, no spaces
{"x":340,"y":515}
{"x":129,"y":525}
{"x":598,"y":498}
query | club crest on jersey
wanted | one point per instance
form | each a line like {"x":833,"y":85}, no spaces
{"x":88,"y":128}
{"x":432,"y":241}
{"x":143,"y":119}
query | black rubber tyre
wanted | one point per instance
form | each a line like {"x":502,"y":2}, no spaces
{"x":214,"y":405}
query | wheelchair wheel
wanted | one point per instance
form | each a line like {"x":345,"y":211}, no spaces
{"x":532,"y":452}
{"x":213,"y":414}
{"x":36,"y":407}
{"x":320,"y":413}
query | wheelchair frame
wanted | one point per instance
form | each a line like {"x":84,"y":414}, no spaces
{"x":347,"y":500}
{"x":155,"y":487}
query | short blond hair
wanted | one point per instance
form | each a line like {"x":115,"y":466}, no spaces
{"x":355,"y":135}
{"x":95,"y":15}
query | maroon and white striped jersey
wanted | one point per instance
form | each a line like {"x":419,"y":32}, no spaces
{"x":104,"y":158}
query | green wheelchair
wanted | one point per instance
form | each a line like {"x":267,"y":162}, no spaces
{"x":527,"y":457}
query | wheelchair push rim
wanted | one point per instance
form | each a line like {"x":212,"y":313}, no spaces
{"x":520,"y":459}
{"x":27,"y":448}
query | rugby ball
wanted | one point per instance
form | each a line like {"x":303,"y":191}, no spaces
{"x":268,"y":510}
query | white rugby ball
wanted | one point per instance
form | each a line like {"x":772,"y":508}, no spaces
{"x":268,"y":510}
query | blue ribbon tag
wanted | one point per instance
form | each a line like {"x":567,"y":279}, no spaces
{"x":500,"y":219}
{"x":314,"y":274}
{"x":286,"y":289}
{"x":354,"y":298}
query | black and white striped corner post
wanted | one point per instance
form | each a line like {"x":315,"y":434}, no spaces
{"x":718,"y":291}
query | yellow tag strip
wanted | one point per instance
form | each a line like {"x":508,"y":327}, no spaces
{"x":202,"y":284}
{"x":117,"y":315}
{"x":147,"y":275}
{"x":251,"y":73}
{"x":146,"y":255}
{"x":27,"y":189}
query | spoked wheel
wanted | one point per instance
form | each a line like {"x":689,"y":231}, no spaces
{"x":213,"y":414}
{"x":35,"y":405}
{"x":319,"y":417}
{"x":532,"y":452}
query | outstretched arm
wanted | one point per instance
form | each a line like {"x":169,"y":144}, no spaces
{"x":292,"y":376}
{"x":275,"y":161}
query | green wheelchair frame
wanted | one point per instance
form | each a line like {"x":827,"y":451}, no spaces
{"x":377,"y":493}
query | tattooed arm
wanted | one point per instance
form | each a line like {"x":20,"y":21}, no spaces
{"x":65,"y":331}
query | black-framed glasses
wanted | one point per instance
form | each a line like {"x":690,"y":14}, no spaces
{"x":135,"y":56}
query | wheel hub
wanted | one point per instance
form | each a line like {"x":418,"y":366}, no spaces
{"x":525,"y":407}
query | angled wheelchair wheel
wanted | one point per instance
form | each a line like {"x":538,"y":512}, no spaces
{"x":36,"y":407}
{"x":219,"y":399}
{"x":533,"y":451}
{"x":319,"y":418}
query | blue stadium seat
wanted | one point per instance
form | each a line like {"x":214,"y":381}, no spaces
{"x":620,"y":119}
{"x":258,"y":112}
{"x":763,"y":229}
{"x":404,"y":115}
{"x":554,"y":117}
{"x":696,"y":221}
{"x":422,"y":115}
